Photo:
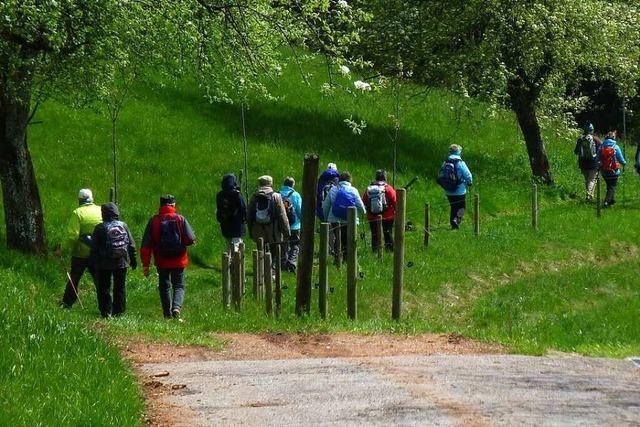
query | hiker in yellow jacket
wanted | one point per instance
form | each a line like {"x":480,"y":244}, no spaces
{"x":77,"y":242}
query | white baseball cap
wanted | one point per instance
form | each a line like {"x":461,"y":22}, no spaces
{"x":85,"y":195}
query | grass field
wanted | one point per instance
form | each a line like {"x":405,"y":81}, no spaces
{"x":570,"y":286}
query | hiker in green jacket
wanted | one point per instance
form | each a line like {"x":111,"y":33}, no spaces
{"x":78,"y":243}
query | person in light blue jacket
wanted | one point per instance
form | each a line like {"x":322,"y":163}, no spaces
{"x":293,"y":204}
{"x":610,"y":158}
{"x":457,"y":197}
{"x":335,"y":206}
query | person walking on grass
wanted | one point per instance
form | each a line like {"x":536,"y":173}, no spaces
{"x":335,"y":207}
{"x":328,"y":179}
{"x":166,"y":238}
{"x":610,"y":158}
{"x":380,"y":202}
{"x":113,"y":251}
{"x":231,"y":212}
{"x":293,"y":206}
{"x":78,"y":243}
{"x":455,"y":177}
{"x":267,"y":217}
{"x":586,"y":149}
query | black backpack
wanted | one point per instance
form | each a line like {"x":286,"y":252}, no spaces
{"x":264,"y":208}
{"x":117,"y":241}
{"x":170,"y":237}
{"x":229,"y":207}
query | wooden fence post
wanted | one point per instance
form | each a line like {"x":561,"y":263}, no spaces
{"x":534,"y":206}
{"x":241,"y":249}
{"x":307,"y":234}
{"x":338,"y":254}
{"x":476,"y":214}
{"x":278,"y":284}
{"x":256,"y":272}
{"x":380,"y":248}
{"x":268,"y":294}
{"x":261,"y":250}
{"x":427,"y":224}
{"x":398,"y":253}
{"x":324,"y":272}
{"x":236,"y":295}
{"x":352,"y":264}
{"x":226,"y":281}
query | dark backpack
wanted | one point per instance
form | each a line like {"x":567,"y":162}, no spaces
{"x":587,"y":148}
{"x":344,"y":199}
{"x":170,"y":237}
{"x":289,"y":208}
{"x":117,"y":241}
{"x":264,"y":208}
{"x":448,"y":176}
{"x":377,"y":198}
{"x":229,"y":207}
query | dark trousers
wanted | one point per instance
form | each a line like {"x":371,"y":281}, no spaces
{"x":341,"y":230}
{"x":78,"y":267}
{"x":387,"y":231}
{"x":458,"y":205}
{"x":105,"y":305}
{"x":291,"y":251}
{"x":171,"y":287}
{"x":612,"y":182}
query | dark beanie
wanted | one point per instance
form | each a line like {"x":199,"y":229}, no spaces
{"x":167,"y":199}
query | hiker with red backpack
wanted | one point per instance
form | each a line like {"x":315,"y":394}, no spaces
{"x":455,"y":177}
{"x":335,"y":206}
{"x":231,"y":212}
{"x":380,"y":201}
{"x":610,"y":158}
{"x":267,"y":217}
{"x":113,"y":251}
{"x":586,"y":149}
{"x":166,"y":238}
{"x":293,"y":207}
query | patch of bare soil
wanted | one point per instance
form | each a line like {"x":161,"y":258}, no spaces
{"x":267,"y":346}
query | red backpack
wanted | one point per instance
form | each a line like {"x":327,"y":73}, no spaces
{"x":608,"y":161}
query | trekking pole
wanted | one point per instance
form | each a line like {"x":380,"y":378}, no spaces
{"x":73,"y":286}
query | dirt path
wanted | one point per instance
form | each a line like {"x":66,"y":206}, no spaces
{"x":344,"y":379}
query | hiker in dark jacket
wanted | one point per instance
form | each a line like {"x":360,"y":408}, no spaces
{"x":113,"y":250}
{"x":327,"y":179}
{"x":587,"y":147}
{"x":231,"y":212}
{"x":166,"y":238}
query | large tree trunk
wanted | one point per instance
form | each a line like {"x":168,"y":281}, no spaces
{"x":22,"y":208}
{"x":523,"y":103}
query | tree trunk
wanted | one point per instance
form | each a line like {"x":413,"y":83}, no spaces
{"x":22,"y":208}
{"x":523,"y":103}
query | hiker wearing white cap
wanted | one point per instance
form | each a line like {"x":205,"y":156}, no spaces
{"x":77,"y":243}
{"x":267,"y":216}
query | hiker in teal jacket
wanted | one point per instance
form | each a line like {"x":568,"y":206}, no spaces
{"x":291,"y":249}
{"x":610,"y":158}
{"x":457,"y":197}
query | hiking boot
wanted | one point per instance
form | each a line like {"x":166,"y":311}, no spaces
{"x":175,"y":313}
{"x":64,"y":305}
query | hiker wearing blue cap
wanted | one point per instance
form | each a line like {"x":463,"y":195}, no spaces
{"x":586,"y":149}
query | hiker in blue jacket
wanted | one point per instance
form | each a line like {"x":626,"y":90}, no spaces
{"x":335,"y":205}
{"x":327,"y":179}
{"x":293,"y":205}
{"x":610,"y":158}
{"x":458,"y":191}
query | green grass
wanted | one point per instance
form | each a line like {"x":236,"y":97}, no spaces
{"x":568,"y":286}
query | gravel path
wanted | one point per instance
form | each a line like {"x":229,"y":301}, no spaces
{"x":484,"y":390}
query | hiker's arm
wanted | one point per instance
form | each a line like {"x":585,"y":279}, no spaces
{"x":619,"y":156}
{"x":243,"y":209}
{"x":131,"y":250}
{"x":283,"y":221}
{"x":360,"y":204}
{"x":188,"y":233}
{"x":297,"y":205}
{"x":391,"y":196}
{"x":72,"y":233}
{"x":326,"y":205}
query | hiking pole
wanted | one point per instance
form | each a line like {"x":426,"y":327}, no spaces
{"x":624,"y":145}
{"x":73,"y":286}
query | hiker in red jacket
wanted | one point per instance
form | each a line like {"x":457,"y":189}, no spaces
{"x":380,"y":200}
{"x":166,"y":238}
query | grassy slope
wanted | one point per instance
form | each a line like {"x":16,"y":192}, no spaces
{"x":567,"y":287}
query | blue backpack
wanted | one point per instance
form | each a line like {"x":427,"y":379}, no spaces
{"x":344,"y":199}
{"x":448,"y":176}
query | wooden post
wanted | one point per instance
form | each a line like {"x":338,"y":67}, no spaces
{"x":476,"y":214}
{"x":534,"y":206}
{"x":241,"y":249}
{"x":427,"y":224}
{"x":324,"y":272}
{"x":112,"y":195}
{"x":267,"y":283}
{"x":278,"y":284}
{"x":226,"y":281}
{"x":380,"y":248}
{"x":338,"y":255}
{"x":236,"y":295}
{"x":398,"y":253}
{"x":307,"y":234}
{"x":598,"y":197}
{"x":352,"y":260}
{"x":256,"y":273}
{"x":260,"y":268}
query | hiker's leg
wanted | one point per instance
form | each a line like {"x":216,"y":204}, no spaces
{"x":177,"y":280}
{"x":462,"y":206}
{"x":104,"y":292}
{"x":387,"y":229}
{"x":78,"y":265}
{"x":119,"y":291}
{"x":335,"y":227}
{"x":164,"y":284}
{"x":590,"y":179}
{"x":611,"y":181}
{"x":343,"y":240}
{"x":375,"y":239}
{"x":294,"y":250}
